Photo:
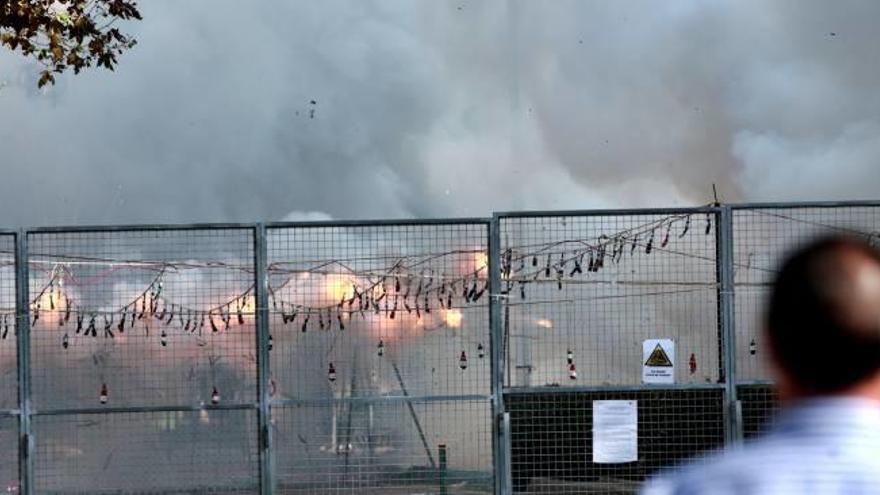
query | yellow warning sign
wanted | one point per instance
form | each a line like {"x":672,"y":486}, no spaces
{"x":658,"y":357}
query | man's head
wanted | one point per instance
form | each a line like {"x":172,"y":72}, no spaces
{"x":823,"y":323}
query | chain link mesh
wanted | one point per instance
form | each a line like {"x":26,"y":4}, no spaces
{"x":763,"y":238}
{"x":143,"y":350}
{"x":380,"y":342}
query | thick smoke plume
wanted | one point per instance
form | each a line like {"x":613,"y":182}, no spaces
{"x":447,"y":108}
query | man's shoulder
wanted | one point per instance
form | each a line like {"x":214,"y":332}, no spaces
{"x":721,"y":472}
{"x":775,"y":464}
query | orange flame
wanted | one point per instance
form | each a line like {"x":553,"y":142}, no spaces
{"x":452,"y":317}
{"x":338,"y":287}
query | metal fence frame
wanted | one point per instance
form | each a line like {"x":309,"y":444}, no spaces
{"x":270,"y":474}
{"x":724,"y":241}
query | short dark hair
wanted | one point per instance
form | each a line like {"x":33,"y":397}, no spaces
{"x":823,"y":338}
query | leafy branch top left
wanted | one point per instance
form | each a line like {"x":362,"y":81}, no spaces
{"x":67,"y":34}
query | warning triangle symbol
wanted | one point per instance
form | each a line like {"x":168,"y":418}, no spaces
{"x":658,"y":357}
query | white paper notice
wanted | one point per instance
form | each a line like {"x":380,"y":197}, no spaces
{"x":658,"y":361}
{"x":615,"y":431}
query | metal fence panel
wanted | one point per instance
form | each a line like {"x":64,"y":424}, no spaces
{"x":9,"y":455}
{"x":552,"y":438}
{"x":384,"y":447}
{"x":156,"y":452}
{"x":763,"y":236}
{"x":583,"y":294}
{"x":366,"y":314}
{"x":595,"y":287}
{"x":141,"y":318}
{"x":143,"y":357}
{"x":8,"y":344}
{"x":758,"y":403}
{"x":141,"y":368}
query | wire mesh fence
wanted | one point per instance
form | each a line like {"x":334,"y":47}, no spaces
{"x":388,"y":446}
{"x":379,"y":360}
{"x":585,"y":292}
{"x":8,"y":333}
{"x":587,"y":296}
{"x":9,"y":455}
{"x":208,"y":451}
{"x":763,"y":237}
{"x":553,"y":444}
{"x":371,"y":326}
{"x":123,"y":323}
{"x":141,"y":318}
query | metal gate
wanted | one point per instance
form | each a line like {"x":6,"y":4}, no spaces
{"x":763,"y":235}
{"x":583,"y":292}
{"x":450,"y":356}
{"x":142,"y":358}
{"x":380,"y":357}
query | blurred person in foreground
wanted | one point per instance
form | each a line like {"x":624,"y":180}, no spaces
{"x":823,"y":330}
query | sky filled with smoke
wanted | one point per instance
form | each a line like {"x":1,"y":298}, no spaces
{"x":447,"y":108}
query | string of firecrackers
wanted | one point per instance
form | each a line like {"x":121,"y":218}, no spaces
{"x":150,"y":305}
{"x":388,"y":293}
{"x":144,"y":307}
{"x":392,"y":291}
{"x":557,"y":263}
{"x":378,"y":295}
{"x":382,"y":294}
{"x":605,"y":248}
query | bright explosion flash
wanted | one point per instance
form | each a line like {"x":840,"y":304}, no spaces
{"x":544,"y":323}
{"x":338,"y":287}
{"x":452,"y":318}
{"x":481,"y":261}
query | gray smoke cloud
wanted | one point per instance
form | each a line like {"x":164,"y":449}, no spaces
{"x":447,"y":108}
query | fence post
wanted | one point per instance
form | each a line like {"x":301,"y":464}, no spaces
{"x":726,"y":305}
{"x":500,"y":419}
{"x":23,"y":346}
{"x":261,"y":289}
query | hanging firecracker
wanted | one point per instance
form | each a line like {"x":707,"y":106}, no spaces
{"x":753,"y":348}
{"x":481,"y":353}
{"x":572,"y":372}
{"x":692,"y":363}
{"x":380,"y":349}
{"x":331,"y":373}
{"x":215,"y":396}
{"x":104,"y":394}
{"x":462,"y":361}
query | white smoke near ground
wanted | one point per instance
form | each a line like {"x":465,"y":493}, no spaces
{"x":447,"y":108}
